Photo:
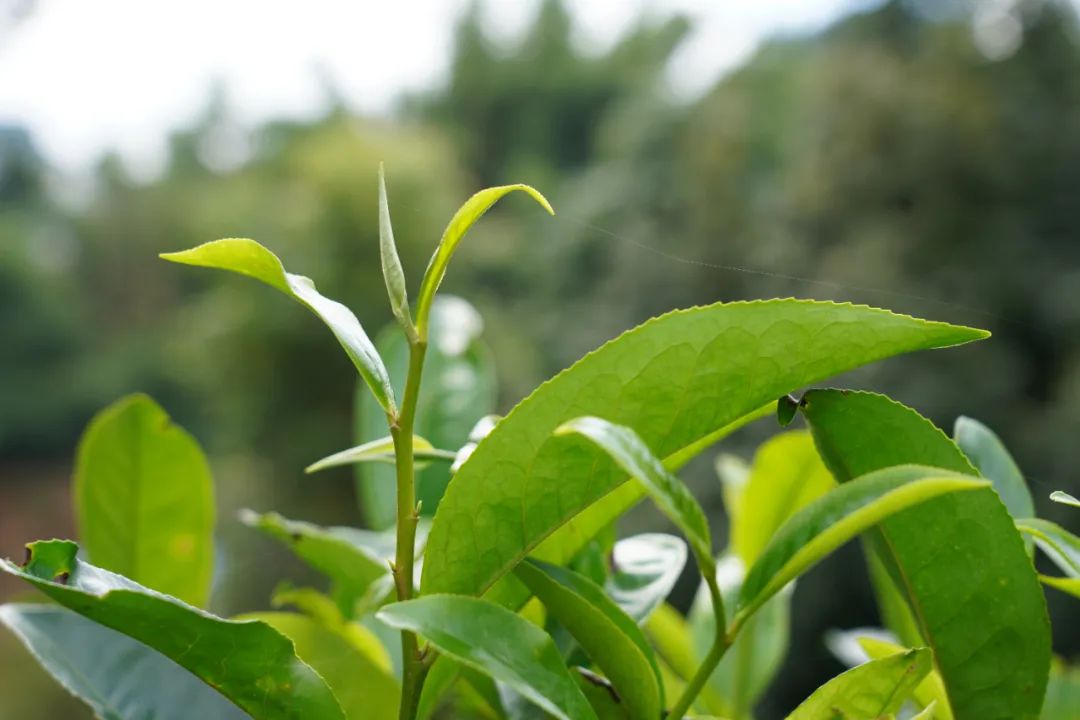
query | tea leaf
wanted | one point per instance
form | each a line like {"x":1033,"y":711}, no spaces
{"x":679,"y":380}
{"x":644,"y":571}
{"x":988,"y":454}
{"x":837,"y":517}
{"x":473,"y":209}
{"x":1059,"y":544}
{"x":1064,"y":498}
{"x":928,"y":693}
{"x":872,"y":690}
{"x":247,"y":257}
{"x":248,"y":662}
{"x":393,"y":275}
{"x":363,"y":686}
{"x":118,"y":677}
{"x":610,"y":638}
{"x":669,"y":493}
{"x":957,"y":555}
{"x":144,"y":500}
{"x":381,"y":450}
{"x":498,"y":643}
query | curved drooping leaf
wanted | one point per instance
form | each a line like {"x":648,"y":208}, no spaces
{"x":458,"y":390}
{"x":990,"y":457}
{"x":247,"y":257}
{"x":1060,"y":496}
{"x":248,"y":662}
{"x":669,"y":493}
{"x":118,"y":677}
{"x":759,"y":649}
{"x":930,"y":692}
{"x":954,"y":557}
{"x":678,"y":380}
{"x":837,"y":517}
{"x":352,"y":558}
{"x":393,"y":275}
{"x":1059,"y":544}
{"x":786,"y":475}
{"x":144,"y":500}
{"x":610,"y":637}
{"x":498,"y":643}
{"x":382,"y":451}
{"x":363,"y":686}
{"x":873,"y":690}
{"x":644,"y":571}
{"x":471,"y":211}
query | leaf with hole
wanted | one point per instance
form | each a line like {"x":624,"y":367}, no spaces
{"x":247,"y":257}
{"x":248,"y":662}
{"x":144,"y":500}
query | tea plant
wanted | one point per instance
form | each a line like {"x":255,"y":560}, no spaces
{"x":527,"y":604}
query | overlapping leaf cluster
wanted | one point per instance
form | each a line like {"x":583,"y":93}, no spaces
{"x":527,"y":602}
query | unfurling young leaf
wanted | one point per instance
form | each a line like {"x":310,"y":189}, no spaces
{"x":247,"y":257}
{"x":498,"y":643}
{"x":473,"y":209}
{"x":393,"y":275}
{"x":144,"y":500}
{"x":382,"y":451}
{"x":644,"y":569}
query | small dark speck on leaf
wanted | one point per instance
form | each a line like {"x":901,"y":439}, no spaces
{"x":62,"y":578}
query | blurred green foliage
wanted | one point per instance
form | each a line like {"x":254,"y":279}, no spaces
{"x":885,"y":160}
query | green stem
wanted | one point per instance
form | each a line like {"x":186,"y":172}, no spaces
{"x":721,"y":643}
{"x":401,"y":429}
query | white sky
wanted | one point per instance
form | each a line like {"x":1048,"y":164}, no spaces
{"x":87,"y":75}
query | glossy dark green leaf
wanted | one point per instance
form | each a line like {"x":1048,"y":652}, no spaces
{"x":118,"y":677}
{"x":498,"y":643}
{"x":471,"y":211}
{"x":955,"y":557}
{"x":342,"y":656}
{"x":1059,"y":544}
{"x":679,"y":380}
{"x":247,"y":257}
{"x":352,"y":558}
{"x":393,"y":275}
{"x":873,"y":690}
{"x":644,"y":569}
{"x":610,"y":637}
{"x":837,"y":517}
{"x":990,"y":457}
{"x":786,"y":409}
{"x":144,"y":500}
{"x":248,"y":662}
{"x":669,"y":493}
{"x":458,"y":390}
{"x":1064,"y":498}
